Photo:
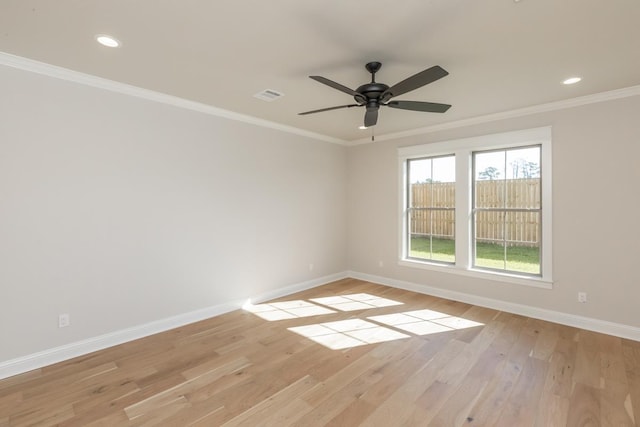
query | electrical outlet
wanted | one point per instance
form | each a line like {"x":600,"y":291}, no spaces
{"x":582,"y":297}
{"x":310,"y":267}
{"x":64,"y":320}
{"x":380,"y":263}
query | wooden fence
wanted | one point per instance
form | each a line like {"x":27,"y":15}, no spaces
{"x":520,"y":228}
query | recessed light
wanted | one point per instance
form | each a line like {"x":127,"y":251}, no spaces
{"x":106,"y":40}
{"x":572,"y":80}
{"x":362,"y":127}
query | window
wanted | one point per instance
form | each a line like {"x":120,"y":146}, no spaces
{"x":506,"y":210}
{"x":431,"y":208}
{"x":479,"y":206}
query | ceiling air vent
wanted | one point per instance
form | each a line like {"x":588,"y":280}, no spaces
{"x":269,"y":95}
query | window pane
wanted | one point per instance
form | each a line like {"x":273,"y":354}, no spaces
{"x":432,"y":248}
{"x":443,"y":224}
{"x":489,"y":226}
{"x":489,"y":177}
{"x":490,"y":194}
{"x":420,"y":222}
{"x":444,"y":169}
{"x":523,"y":242}
{"x":432,"y":182}
{"x":489,"y":240}
{"x":523,"y":178}
{"x":420,"y":171}
{"x":443,"y":185}
{"x":523,"y":163}
{"x":490,"y":165}
{"x":443,"y":238}
{"x":432,"y":235}
{"x":508,"y":241}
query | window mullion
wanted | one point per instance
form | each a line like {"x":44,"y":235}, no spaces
{"x":463,"y":214}
{"x":505,"y":196}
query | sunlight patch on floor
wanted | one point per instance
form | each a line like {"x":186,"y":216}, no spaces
{"x":355,"y":302}
{"x":354,"y":332}
{"x":347,"y":333}
{"x":424,"y":322}
{"x":286,"y":310}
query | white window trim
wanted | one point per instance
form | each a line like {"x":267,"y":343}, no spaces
{"x":463,"y":148}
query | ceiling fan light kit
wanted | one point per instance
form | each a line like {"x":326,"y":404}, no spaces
{"x":374,"y":95}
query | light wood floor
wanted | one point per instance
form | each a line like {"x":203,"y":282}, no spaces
{"x":446,"y":364}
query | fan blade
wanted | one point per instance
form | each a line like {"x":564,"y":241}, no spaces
{"x":360,"y":98}
{"x":427,"y":107}
{"x":425,"y":77}
{"x":329,"y":109}
{"x":371,"y":117}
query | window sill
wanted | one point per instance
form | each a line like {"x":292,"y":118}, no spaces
{"x":536,"y":282}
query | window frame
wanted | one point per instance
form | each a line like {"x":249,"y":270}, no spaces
{"x":463,"y":150}
{"x":430,"y":209}
{"x":475,"y":210}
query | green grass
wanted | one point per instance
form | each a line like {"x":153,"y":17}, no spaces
{"x":443,"y":249}
{"x":521,"y":259}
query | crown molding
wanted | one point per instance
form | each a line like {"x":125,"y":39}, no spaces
{"x":150,"y":95}
{"x":520,"y":112}
{"x":61,"y":73}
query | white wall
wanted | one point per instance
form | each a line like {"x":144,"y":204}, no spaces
{"x":122,"y":211}
{"x":596,"y":213}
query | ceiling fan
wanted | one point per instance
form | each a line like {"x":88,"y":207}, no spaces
{"x":374,"y":95}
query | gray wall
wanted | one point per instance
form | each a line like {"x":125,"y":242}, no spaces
{"x":596,"y":230}
{"x":122,"y":211}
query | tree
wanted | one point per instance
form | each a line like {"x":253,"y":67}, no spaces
{"x":489,"y":173}
{"x":525,"y":169}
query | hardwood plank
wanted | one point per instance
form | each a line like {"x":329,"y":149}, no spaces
{"x":545,"y":344}
{"x":352,"y":415}
{"x":584,"y":407}
{"x":614,"y":409}
{"x":239,"y":369}
{"x":559,"y":380}
{"x":17,"y":382}
{"x":394,"y":409}
{"x":588,"y":363}
{"x":463,"y":395}
{"x":513,"y":347}
{"x":521,"y":409}
{"x":43,"y":415}
{"x":631,"y":356}
{"x":398,"y":373}
{"x":260,"y":412}
{"x":552,"y":411}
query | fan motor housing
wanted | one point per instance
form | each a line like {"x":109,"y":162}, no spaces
{"x":372,"y":90}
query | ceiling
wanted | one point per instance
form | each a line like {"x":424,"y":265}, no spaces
{"x":501,"y":54}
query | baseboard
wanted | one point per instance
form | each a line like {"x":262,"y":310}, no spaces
{"x":58,"y":354}
{"x":596,"y":325}
{"x":303,"y":286}
{"x":79,"y":348}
